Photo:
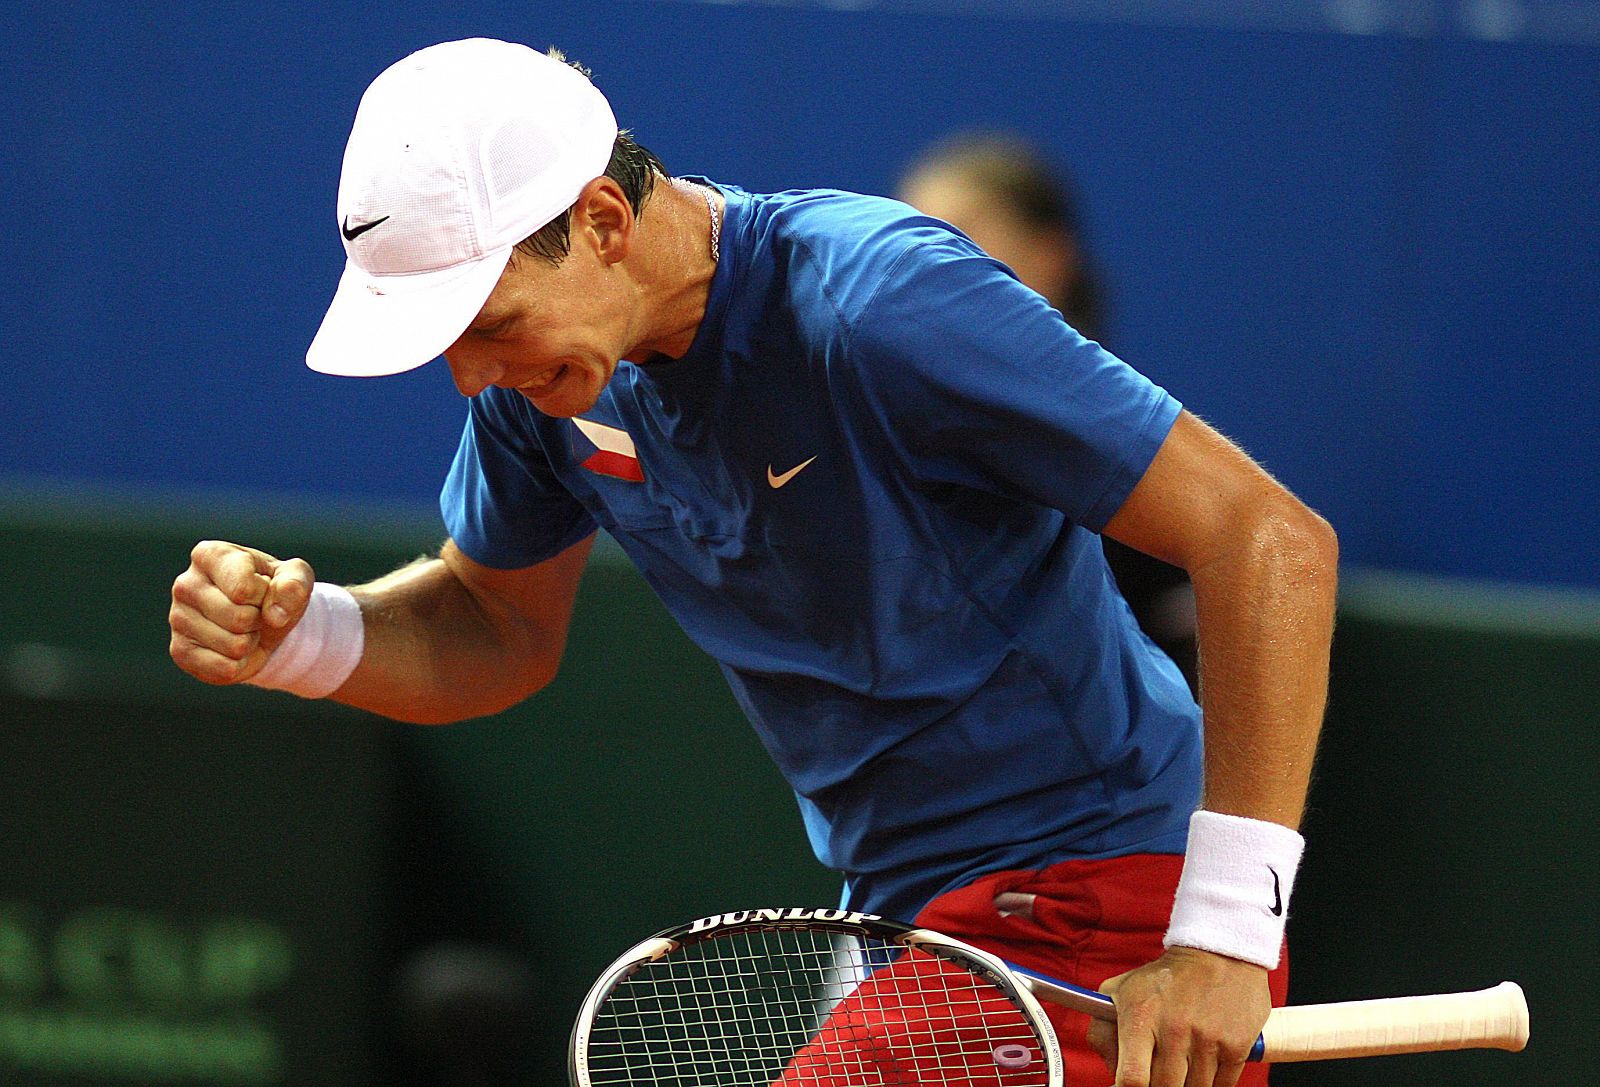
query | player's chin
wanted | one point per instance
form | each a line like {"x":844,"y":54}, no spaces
{"x":573,"y":391}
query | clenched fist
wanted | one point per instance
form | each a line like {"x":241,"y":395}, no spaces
{"x":232,"y":607}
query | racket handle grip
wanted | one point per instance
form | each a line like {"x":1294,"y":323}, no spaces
{"x":1494,"y":1018}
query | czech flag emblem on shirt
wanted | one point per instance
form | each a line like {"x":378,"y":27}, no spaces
{"x":607,"y":451}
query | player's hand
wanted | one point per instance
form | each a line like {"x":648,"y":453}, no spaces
{"x":232,"y":607}
{"x":1189,"y":1019}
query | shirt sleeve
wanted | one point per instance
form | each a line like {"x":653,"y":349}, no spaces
{"x":978,"y":381}
{"x":502,"y":503}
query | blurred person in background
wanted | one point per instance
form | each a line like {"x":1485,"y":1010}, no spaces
{"x":1000,"y":191}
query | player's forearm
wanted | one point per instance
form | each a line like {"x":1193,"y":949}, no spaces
{"x":436,"y":654}
{"x":1265,"y":608}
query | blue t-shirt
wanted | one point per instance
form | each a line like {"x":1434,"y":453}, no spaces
{"x":870,"y":490}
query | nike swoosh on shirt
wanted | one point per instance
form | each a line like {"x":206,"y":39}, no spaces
{"x":776,"y":481}
{"x":351,"y":233}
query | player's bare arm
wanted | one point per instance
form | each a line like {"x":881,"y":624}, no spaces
{"x":445,"y":638}
{"x":451,"y":638}
{"x":1264,"y":569}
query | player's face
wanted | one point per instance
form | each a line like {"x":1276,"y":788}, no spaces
{"x":554,"y":333}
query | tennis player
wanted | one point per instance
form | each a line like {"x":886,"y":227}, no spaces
{"x":865,"y":469}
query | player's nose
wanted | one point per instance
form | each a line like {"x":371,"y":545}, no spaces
{"x":472,"y":375}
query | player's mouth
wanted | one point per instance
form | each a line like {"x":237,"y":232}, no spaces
{"x":545,"y":380}
{"x":566,"y":389}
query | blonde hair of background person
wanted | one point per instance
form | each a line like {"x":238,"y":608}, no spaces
{"x":998,"y":190}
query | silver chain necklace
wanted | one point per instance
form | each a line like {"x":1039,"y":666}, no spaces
{"x":716,"y":216}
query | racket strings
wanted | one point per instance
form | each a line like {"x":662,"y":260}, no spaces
{"x":809,"y":1009}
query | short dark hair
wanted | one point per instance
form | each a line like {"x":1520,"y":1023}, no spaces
{"x":632,"y":167}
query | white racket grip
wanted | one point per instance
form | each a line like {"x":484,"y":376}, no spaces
{"x":1494,"y":1018}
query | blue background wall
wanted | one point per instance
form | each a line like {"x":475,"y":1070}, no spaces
{"x":1359,"y":236}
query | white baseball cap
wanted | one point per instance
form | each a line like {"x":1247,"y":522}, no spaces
{"x":458,"y":152}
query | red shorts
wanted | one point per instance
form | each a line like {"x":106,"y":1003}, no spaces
{"x":1081,"y":922}
{"x":882,"y":1033}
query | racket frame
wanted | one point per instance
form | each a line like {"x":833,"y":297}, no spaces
{"x":1493,"y":1018}
{"x":841,"y":922}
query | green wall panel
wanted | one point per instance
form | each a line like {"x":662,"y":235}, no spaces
{"x":1452,"y":827}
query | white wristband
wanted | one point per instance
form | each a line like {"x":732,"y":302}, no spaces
{"x":1233,"y":895}
{"x":322,"y":650}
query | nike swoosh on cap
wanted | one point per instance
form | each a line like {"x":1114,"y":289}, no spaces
{"x":352,"y":233}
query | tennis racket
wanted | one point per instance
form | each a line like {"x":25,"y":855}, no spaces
{"x":830,"y":998}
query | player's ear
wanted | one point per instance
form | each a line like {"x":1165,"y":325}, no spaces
{"x":603,"y":212}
